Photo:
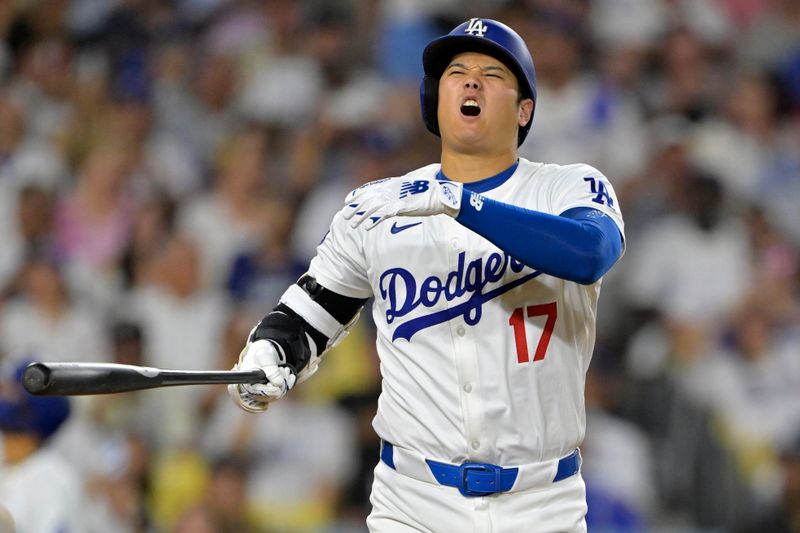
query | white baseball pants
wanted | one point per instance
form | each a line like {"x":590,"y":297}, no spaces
{"x":401,"y":504}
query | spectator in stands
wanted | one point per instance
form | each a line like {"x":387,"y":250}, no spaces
{"x":38,"y":486}
{"x":45,"y":321}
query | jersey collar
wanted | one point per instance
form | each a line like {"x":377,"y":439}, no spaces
{"x":486,"y":184}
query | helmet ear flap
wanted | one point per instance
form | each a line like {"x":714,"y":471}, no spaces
{"x":429,"y":100}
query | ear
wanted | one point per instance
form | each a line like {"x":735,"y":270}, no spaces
{"x":429,"y":100}
{"x":525,"y":112}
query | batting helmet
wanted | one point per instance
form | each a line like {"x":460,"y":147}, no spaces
{"x":22,"y":413}
{"x":485,"y":36}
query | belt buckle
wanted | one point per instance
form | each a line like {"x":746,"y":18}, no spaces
{"x":465,"y":468}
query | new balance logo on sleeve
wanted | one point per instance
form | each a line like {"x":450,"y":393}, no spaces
{"x":476,"y":201}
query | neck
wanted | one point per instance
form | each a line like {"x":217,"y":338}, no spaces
{"x":467,"y":168}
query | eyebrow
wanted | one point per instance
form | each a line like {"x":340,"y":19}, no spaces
{"x":484,"y":69}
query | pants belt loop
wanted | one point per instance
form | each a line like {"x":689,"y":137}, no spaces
{"x":387,"y":454}
{"x":568,"y":466}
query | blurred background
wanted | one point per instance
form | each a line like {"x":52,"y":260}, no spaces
{"x":167,"y":168}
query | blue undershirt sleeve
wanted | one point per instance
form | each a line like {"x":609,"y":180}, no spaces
{"x":580,"y":245}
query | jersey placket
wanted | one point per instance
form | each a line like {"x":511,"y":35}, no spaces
{"x":466,"y":354}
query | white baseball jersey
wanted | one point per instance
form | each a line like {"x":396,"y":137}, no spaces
{"x":482,"y":358}
{"x":43,"y":494}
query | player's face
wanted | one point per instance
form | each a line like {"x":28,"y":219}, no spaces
{"x":479,"y":106}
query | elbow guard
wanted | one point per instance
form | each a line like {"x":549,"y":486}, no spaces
{"x":288,"y":333}
{"x":308,"y":321}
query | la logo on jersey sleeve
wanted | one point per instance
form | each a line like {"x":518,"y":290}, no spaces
{"x":600,"y":191}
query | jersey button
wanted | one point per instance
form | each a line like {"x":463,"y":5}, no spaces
{"x":461,"y":331}
{"x":476,"y":445}
{"x":456,"y":244}
{"x":467,"y":387}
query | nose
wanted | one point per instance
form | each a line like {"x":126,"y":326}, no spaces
{"x":472,"y":81}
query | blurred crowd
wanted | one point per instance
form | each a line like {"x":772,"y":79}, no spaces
{"x":167,"y":169}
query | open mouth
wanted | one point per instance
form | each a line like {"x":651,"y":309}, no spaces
{"x":470,"y":108}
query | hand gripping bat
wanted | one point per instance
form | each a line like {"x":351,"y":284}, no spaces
{"x":75,"y":379}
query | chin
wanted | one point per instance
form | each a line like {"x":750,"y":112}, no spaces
{"x":469,"y":142}
{"x":468,"y":134}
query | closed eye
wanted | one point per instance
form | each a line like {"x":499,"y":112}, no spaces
{"x":491,"y":71}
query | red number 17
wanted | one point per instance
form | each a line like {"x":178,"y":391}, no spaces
{"x":517,"y":321}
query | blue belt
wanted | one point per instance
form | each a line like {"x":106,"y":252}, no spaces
{"x":482,"y":479}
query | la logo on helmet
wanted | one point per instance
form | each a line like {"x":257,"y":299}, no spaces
{"x":476,"y":27}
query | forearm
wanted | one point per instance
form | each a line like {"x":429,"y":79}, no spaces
{"x":580,"y":245}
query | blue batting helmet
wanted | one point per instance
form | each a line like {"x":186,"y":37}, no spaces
{"x":22,"y":413}
{"x":485,"y":36}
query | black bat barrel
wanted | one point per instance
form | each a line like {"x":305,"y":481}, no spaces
{"x":68,"y":379}
{"x":74,"y":379}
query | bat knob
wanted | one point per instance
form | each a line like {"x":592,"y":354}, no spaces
{"x":36,"y":378}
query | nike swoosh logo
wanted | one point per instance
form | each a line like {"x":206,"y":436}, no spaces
{"x":397,"y":229}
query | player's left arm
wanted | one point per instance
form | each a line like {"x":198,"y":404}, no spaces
{"x":313,"y":315}
{"x":289,"y":342}
{"x":308,"y":321}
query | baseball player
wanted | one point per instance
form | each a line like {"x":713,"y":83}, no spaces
{"x":485,"y":270}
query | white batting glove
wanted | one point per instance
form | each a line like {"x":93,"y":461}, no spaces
{"x":378,"y":200}
{"x":256,"y":397}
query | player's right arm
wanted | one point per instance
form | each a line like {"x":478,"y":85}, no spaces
{"x":313,"y":315}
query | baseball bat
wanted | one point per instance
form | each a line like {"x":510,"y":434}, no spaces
{"x":75,"y":379}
